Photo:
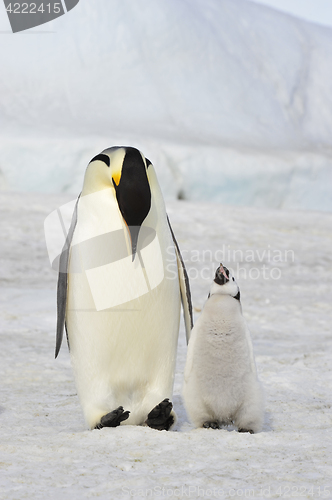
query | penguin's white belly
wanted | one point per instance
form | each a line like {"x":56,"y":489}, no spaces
{"x":122,"y":355}
{"x":220,"y":380}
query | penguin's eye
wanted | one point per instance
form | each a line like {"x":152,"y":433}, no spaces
{"x":233,"y":279}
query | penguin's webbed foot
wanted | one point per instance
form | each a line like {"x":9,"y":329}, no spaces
{"x":160,"y":417}
{"x":113,"y":419}
{"x":211,"y":425}
{"x":246,"y":430}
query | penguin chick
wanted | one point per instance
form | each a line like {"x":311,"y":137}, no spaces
{"x":220,"y":379}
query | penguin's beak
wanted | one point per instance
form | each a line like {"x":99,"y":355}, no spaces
{"x":224,"y":271}
{"x":222,"y":275}
{"x":133,"y":234}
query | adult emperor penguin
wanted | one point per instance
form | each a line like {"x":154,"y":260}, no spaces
{"x":220,"y":380}
{"x":117,"y":295}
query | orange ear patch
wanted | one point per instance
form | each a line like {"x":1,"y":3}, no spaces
{"x":116,"y":177}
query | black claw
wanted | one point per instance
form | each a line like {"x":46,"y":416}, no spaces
{"x":246,"y":430}
{"x":113,"y":419}
{"x":160,"y":418}
{"x":212,"y":425}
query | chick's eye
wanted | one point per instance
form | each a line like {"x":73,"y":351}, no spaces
{"x":233,"y":279}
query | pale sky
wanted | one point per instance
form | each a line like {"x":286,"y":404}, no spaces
{"x":318,"y":11}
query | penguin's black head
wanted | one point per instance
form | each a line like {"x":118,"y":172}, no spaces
{"x":128,"y":173}
{"x":226,"y":282}
{"x":222,"y":275}
{"x":133,"y":193}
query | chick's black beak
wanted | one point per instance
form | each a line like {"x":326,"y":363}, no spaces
{"x":222,"y":275}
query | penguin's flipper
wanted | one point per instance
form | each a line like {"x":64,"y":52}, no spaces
{"x":184,"y":287}
{"x":63,"y":282}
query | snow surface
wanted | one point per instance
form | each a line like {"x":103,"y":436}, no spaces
{"x":229,"y":99}
{"x":46,"y":451}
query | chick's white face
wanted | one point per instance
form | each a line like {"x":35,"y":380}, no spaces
{"x":224,"y":283}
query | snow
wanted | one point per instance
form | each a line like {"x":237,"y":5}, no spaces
{"x":46,"y":450}
{"x":231,"y":100}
